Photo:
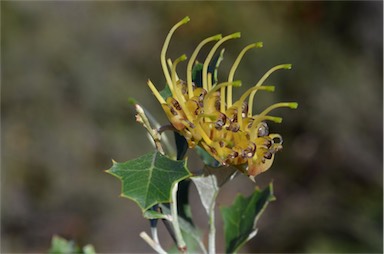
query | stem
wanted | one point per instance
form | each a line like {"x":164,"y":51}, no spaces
{"x":155,"y":235}
{"x":159,"y":130}
{"x":212,"y":228}
{"x":175,"y":221}
{"x":212,"y":231}
{"x":142,"y":118}
{"x":152,"y":243}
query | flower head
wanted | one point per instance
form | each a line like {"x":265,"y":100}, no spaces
{"x":207,"y":117}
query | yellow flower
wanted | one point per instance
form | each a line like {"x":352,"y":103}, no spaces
{"x":228,"y":131}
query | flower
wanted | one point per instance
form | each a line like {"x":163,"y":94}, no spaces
{"x":228,"y":131}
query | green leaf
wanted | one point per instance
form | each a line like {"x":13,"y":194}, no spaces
{"x":150,"y":214}
{"x":183,"y":205}
{"x":206,"y":157}
{"x":241,"y":217}
{"x":60,"y":245}
{"x":148,"y":180}
{"x":181,"y":145}
{"x":89,"y":249}
{"x":187,"y":228}
{"x":166,"y":92}
{"x":197,"y":73}
{"x":214,"y":66}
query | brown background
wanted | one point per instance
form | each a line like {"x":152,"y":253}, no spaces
{"x":68,"y":69}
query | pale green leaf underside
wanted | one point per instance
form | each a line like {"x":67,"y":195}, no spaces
{"x":208,"y":189}
{"x":148,"y":180}
{"x":241,"y":217}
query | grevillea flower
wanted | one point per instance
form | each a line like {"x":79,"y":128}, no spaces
{"x":207,"y":117}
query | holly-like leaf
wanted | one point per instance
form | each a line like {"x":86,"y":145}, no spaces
{"x":241,"y":217}
{"x":148,"y":180}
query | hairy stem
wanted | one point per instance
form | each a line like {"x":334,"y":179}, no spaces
{"x":142,"y":118}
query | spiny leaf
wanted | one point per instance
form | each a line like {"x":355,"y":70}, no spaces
{"x":241,"y":217}
{"x":148,"y":180}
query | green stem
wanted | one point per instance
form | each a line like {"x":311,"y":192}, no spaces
{"x":175,"y":221}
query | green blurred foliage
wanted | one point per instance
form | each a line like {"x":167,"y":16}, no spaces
{"x":60,"y":245}
{"x":68,"y":69}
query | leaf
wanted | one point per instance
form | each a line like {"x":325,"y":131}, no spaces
{"x":206,"y":157}
{"x":181,"y":145}
{"x":223,"y":174}
{"x":197,"y":70}
{"x":214,"y":66}
{"x":187,"y":228}
{"x":148,"y":180}
{"x":60,"y":245}
{"x":197,"y":74}
{"x":241,"y":217}
{"x":166,"y":92}
{"x":152,"y":215}
{"x":89,"y":249}
{"x":208,"y":190}
{"x":183,"y":206}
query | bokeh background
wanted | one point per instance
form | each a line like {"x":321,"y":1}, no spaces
{"x":68,"y":69}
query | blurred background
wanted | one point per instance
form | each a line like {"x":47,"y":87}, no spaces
{"x":68,"y":69}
